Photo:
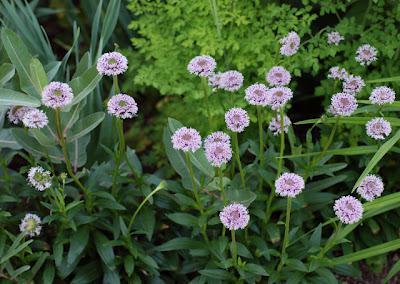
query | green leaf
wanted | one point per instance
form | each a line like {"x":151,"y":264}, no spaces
{"x":129,"y":265}
{"x":110,"y":21}
{"x":85,"y":125}
{"x":377,"y":157}
{"x":48,"y":274}
{"x":184,"y":219}
{"x":180,"y":243}
{"x":357,"y":150}
{"x":384,"y":80}
{"x":7,"y":140}
{"x":7,"y":71}
{"x":86,"y":274}
{"x":84,"y":84}
{"x":38,"y":75}
{"x":245,"y":197}
{"x":78,"y":243}
{"x":256,"y":269}
{"x":216,"y":274}
{"x":394,"y":121}
{"x":14,"y":98}
{"x":392,"y":272}
{"x":145,"y":222}
{"x":105,"y":250}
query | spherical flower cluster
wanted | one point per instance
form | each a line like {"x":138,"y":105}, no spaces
{"x":289,"y":184}
{"x":202,"y":65}
{"x":31,"y":225}
{"x":112,"y":64}
{"x":353,"y":84}
{"x":256,"y":94}
{"x":277,"y":97}
{"x":275,"y":124}
{"x":382,"y":95}
{"x":57,"y":95}
{"x":371,"y":187}
{"x":366,"y":54}
{"x":378,"y":128}
{"x":39,"y":178}
{"x":218,"y":153}
{"x":186,"y":139}
{"x":214,"y":80}
{"x":234,"y":216}
{"x":16,"y":113}
{"x":290,"y":44}
{"x":217,"y":136}
{"x":343,"y":104}
{"x":348,"y":209}
{"x":231,"y":81}
{"x":35,"y":118}
{"x":236,"y":119}
{"x":337,"y":73}
{"x":335,"y":38}
{"x":122,"y":106}
{"x":278,"y":76}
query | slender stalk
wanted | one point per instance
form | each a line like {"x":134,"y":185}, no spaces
{"x":234,"y":248}
{"x":221,"y":184}
{"x":286,"y":237}
{"x":331,"y":241}
{"x":120,"y":154}
{"x":206,"y":89}
{"x":280,"y":164}
{"x":214,"y":11}
{"x":237,"y":156}
{"x":195,"y":192}
{"x":261,"y":143}
{"x":115,"y":85}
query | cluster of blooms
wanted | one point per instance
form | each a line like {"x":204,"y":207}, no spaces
{"x":57,"y":95}
{"x":256,"y":94}
{"x":39,"y":178}
{"x":277,"y":97}
{"x":366,"y":54}
{"x":343,"y":104}
{"x":278,"y":76}
{"x":17,"y":113}
{"x":275,"y":124}
{"x":382,"y":95}
{"x":337,"y":73}
{"x":289,"y":185}
{"x":334,"y":38}
{"x":217,"y":137}
{"x":353,"y":84}
{"x":112,"y":64}
{"x":35,"y":118}
{"x":234,"y":216}
{"x":348,"y":209}
{"x":237,"y":119}
{"x":378,"y":128}
{"x":371,"y":187}
{"x":122,"y":106}
{"x":290,"y":44}
{"x":186,"y":139}
{"x":31,"y":225}
{"x":218,"y":149}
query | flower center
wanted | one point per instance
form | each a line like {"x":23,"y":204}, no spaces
{"x":57,"y":93}
{"x":344,"y":101}
{"x":377,"y":127}
{"x":279,"y":75}
{"x":186,"y":137}
{"x":122,"y":103}
{"x":202,"y":62}
{"x":258,"y":93}
{"x":30,"y":225}
{"x":279,"y":93}
{"x":235,"y":214}
{"x":112,"y":61}
{"x":236,"y":117}
{"x":219,"y":150}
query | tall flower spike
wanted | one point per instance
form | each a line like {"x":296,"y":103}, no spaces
{"x":235,"y":216}
{"x":382,"y":95}
{"x":256,"y":94}
{"x":290,"y":44}
{"x":202,"y":65}
{"x":39,"y":178}
{"x":16,"y":113}
{"x":343,"y":104}
{"x":218,"y":153}
{"x":289,"y":185}
{"x":237,"y":119}
{"x":348,"y":209}
{"x":371,"y":187}
{"x":278,"y":76}
{"x":112,"y":64}
{"x":35,"y":118}
{"x":275,"y":124}
{"x":122,"y":106}
{"x":334,"y":38}
{"x":31,"y":225}
{"x":217,"y":136}
{"x":366,"y":54}
{"x":378,"y":128}
{"x":278,"y":97}
{"x":57,"y":95}
{"x":231,"y":81}
{"x":186,"y":139}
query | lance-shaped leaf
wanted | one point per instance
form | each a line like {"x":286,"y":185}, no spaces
{"x":85,"y":125}
{"x":7,"y":71}
{"x":14,"y":98}
{"x":38,"y":75}
{"x":85,"y":84}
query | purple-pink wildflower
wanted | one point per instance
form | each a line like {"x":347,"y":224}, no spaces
{"x":35,"y":118}
{"x":218,"y":153}
{"x":234,"y":216}
{"x":353,"y":84}
{"x":256,"y":94}
{"x":290,"y":44}
{"x":275,"y":124}
{"x":366,"y":54}
{"x":202,"y":65}
{"x":278,"y":76}
{"x":334,"y":38}
{"x":278,"y":97}
{"x":237,"y":119}
{"x":186,"y":139}
{"x":217,"y":136}
{"x":382,"y":95}
{"x":16,"y":113}
{"x":122,"y":106}
{"x":112,"y":64}
{"x":57,"y":95}
{"x":289,"y":185}
{"x":343,"y":104}
{"x":231,"y":81}
{"x":378,"y":128}
{"x":348,"y":209}
{"x":371,"y":187}
{"x":337,"y":73}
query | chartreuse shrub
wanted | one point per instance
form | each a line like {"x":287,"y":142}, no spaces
{"x":252,"y":202}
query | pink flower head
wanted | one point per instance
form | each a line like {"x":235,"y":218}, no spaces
{"x":290,"y":44}
{"x":371,"y":187}
{"x":16,"y":113}
{"x":275,"y":124}
{"x":39,"y":178}
{"x":334,"y":38}
{"x":337,"y":73}
{"x":378,"y":128}
{"x":202,"y":65}
{"x":57,"y":95}
{"x":217,"y":137}
{"x":122,"y":106}
{"x":112,"y":64}
{"x":278,"y":97}
{"x":278,"y":76}
{"x":214,"y":80}
{"x":366,"y":54}
{"x":289,"y":184}
{"x":348,"y":209}
{"x":231,"y":81}
{"x":382,"y":95}
{"x":218,"y":153}
{"x":234,"y":216}
{"x":256,"y":94}
{"x":35,"y":118}
{"x":353,"y":84}
{"x":236,"y":119}
{"x":31,"y":225}
{"x":343,"y":104}
{"x":186,"y":139}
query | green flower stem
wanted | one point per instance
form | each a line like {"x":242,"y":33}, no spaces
{"x":261,"y":143}
{"x":280,"y":165}
{"x":331,"y":241}
{"x":286,"y":237}
{"x":195,"y":192}
{"x":115,"y":85}
{"x":67,"y":160}
{"x":119,"y":155}
{"x":237,"y":156}
{"x":234,"y":248}
{"x":217,"y":22}
{"x":221,"y":184}
{"x":207,"y":104}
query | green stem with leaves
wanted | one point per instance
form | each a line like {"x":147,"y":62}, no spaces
{"x":237,"y":156}
{"x":286,"y":236}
